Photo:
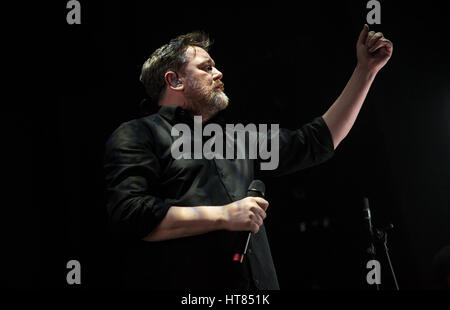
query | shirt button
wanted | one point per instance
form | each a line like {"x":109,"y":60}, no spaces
{"x":250,"y":251}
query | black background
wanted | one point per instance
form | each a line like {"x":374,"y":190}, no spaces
{"x":283,"y":63}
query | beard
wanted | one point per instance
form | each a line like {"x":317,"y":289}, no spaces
{"x":205,"y":100}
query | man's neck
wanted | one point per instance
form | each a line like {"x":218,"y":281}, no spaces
{"x":206,"y":114}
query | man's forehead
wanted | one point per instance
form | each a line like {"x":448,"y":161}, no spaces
{"x":197,"y":54}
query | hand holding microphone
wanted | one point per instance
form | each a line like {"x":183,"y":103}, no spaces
{"x":246,"y":215}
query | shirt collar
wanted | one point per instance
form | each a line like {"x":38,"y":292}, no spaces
{"x":176,"y":114}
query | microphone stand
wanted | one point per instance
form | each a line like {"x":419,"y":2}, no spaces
{"x":381,"y":237}
{"x":371,"y":250}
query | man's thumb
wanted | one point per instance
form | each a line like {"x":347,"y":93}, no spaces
{"x":363,"y":34}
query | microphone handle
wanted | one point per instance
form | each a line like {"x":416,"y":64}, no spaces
{"x":240,"y":257}
{"x":252,"y":192}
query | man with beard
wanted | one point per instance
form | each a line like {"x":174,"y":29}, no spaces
{"x":180,"y":218}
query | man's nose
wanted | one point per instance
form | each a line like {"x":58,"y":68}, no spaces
{"x":217,"y":75}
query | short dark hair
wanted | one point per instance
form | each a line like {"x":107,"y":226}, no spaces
{"x":169,"y":57}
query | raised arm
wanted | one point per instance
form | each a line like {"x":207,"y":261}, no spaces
{"x":373,"y":52}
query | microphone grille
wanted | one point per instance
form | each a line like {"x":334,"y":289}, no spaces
{"x":257,"y":186}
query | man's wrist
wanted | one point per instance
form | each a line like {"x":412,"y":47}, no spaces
{"x":222,"y":217}
{"x":365,"y":72}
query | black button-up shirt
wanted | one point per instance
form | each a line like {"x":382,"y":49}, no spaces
{"x":143,"y":181}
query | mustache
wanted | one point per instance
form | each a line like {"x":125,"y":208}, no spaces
{"x":219,"y":83}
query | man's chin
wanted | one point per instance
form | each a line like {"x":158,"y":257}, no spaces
{"x":223,"y":102}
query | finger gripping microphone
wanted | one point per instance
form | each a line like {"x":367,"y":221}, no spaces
{"x":256,"y":189}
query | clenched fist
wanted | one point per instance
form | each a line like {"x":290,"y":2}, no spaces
{"x":246,"y":214}
{"x":373,"y":50}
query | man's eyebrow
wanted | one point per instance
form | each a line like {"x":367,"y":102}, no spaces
{"x":208,"y":61}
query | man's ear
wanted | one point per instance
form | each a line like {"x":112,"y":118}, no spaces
{"x":173,"y":81}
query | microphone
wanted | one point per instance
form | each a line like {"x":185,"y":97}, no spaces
{"x":368,"y":224}
{"x":367,"y":216}
{"x":256,"y":189}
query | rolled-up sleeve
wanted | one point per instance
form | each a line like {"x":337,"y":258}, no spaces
{"x":305,"y":147}
{"x":131,"y":173}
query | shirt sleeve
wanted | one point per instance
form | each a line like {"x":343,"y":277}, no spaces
{"x":131,"y":172}
{"x":305,"y":147}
